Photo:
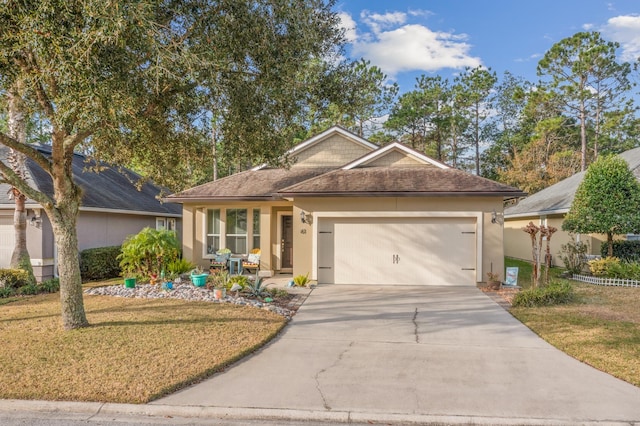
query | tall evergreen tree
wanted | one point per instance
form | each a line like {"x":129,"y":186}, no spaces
{"x":585,"y":72}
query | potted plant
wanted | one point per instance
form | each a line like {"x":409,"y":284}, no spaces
{"x":493,"y":280}
{"x":198,"y":278}
{"x":130,"y":281}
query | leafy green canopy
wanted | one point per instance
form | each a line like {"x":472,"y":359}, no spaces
{"x":607,"y":201}
{"x":132,"y":81}
{"x":135,"y":82}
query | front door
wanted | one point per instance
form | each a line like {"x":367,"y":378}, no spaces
{"x":286,"y":243}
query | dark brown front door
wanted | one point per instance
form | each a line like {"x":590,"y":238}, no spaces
{"x":286,"y":245}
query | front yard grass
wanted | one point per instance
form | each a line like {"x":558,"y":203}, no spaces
{"x":525,"y":271}
{"x":602,"y":328}
{"x":135,"y":350}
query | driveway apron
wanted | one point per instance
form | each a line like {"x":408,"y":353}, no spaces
{"x":438,"y":351}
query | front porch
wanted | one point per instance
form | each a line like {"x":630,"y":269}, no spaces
{"x":240,"y":228}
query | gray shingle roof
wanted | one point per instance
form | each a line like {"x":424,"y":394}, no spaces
{"x":110,"y":189}
{"x":558,"y":197}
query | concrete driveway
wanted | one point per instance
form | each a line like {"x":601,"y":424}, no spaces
{"x":422,"y":354}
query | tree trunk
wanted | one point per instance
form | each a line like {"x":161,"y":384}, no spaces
{"x":214,"y":151}
{"x":66,"y":237}
{"x":63,"y":215}
{"x":583,"y":135}
{"x":610,"y":243}
{"x":20,"y":226}
{"x":17,"y":128}
{"x":477,"y":139}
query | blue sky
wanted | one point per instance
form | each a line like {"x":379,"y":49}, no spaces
{"x":408,"y":38}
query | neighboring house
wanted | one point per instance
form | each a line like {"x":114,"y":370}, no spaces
{"x":548,"y":207}
{"x":112,"y":208}
{"x":350,"y":212}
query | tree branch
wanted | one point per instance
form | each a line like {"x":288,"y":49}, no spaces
{"x":12,"y":178}
{"x":27,"y":150}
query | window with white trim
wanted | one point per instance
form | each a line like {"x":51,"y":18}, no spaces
{"x":213,"y":231}
{"x":256,"y":228}
{"x":165,"y":223}
{"x":236,"y":230}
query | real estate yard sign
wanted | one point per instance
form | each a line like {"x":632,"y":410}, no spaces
{"x":511,"y":277}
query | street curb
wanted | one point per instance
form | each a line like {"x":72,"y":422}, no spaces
{"x":96,"y":411}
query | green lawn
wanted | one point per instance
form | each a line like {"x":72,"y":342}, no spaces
{"x":525,"y":271}
{"x":601,"y":328}
{"x":135,"y":350}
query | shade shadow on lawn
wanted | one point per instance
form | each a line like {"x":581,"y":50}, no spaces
{"x":134,"y":351}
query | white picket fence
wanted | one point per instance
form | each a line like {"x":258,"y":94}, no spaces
{"x":618,"y":282}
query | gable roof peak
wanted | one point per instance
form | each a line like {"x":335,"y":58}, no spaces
{"x":395,"y":146}
{"x":322,"y":136}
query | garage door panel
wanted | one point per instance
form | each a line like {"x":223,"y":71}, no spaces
{"x":360,"y":252}
{"x":408,"y":251}
{"x":444,"y":252}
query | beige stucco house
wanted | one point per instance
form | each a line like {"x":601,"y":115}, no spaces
{"x":112,"y":208}
{"x":548,"y":207}
{"x":350,"y":212}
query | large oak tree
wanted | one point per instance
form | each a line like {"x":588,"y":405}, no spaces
{"x":131,"y":81}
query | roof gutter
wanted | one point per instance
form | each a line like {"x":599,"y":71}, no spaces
{"x":215,"y":199}
{"x":538,"y":213}
{"x":398,"y":194}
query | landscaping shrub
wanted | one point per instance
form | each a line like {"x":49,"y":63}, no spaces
{"x":180,"y":266}
{"x":242,"y":280}
{"x":301,"y":280}
{"x":218,"y":279}
{"x":628,"y":270}
{"x":149,"y":251}
{"x":49,"y":286}
{"x":574,"y":256}
{"x":29,"y":289}
{"x":6,"y":292}
{"x":612,"y":267}
{"x":100,"y":263}
{"x":601,"y":267}
{"x":13,"y":278}
{"x":556,"y":293}
{"x":624,"y":250}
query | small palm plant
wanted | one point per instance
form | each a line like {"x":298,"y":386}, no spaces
{"x":301,"y":280}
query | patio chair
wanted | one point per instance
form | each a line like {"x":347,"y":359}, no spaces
{"x":220,"y":261}
{"x":253,"y":261}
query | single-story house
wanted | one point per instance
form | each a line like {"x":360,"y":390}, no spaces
{"x":350,"y":212}
{"x":112,"y":208}
{"x":548,"y":207}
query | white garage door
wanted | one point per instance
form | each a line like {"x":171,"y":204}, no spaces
{"x":405,"y":251}
{"x":7,"y":238}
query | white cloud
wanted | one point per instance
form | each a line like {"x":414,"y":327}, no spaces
{"x":415,"y":48}
{"x":379,"y":22}
{"x":625,"y":29}
{"x":587,"y":27}
{"x":420,"y":12}
{"x":349,"y":25}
